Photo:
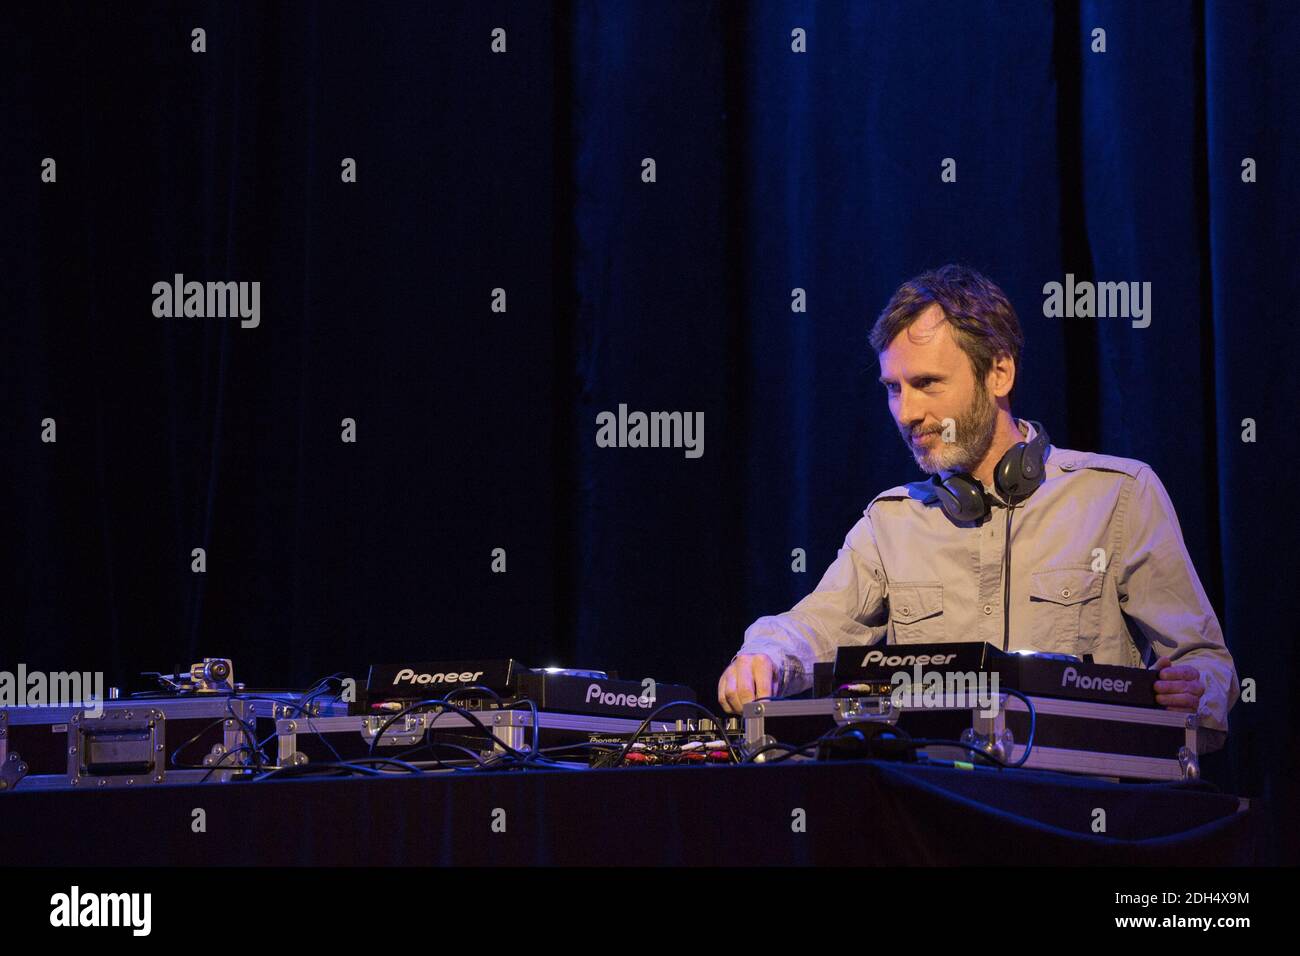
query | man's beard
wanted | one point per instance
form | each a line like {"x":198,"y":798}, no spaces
{"x":975,"y":428}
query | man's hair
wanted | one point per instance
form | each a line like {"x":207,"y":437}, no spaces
{"x":983,"y":322}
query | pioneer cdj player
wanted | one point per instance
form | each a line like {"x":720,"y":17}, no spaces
{"x":870,"y":670}
{"x":507,"y":683}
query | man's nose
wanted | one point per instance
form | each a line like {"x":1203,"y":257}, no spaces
{"x":910,"y":414}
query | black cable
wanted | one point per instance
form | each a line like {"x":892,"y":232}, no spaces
{"x":491,"y":736}
{"x":792,"y":750}
{"x":532,"y":758}
{"x":352,"y":767}
{"x":249,"y":731}
{"x":869,"y":741}
{"x":720,"y":725}
{"x":323,"y":738}
{"x":589,"y":745}
{"x":925,"y":760}
{"x":461,"y":690}
{"x":430,"y":766}
{"x":473,"y":755}
{"x":442,"y":702}
{"x":1029,"y":744}
{"x":532,"y":706}
{"x":506,"y":762}
{"x":1006,"y":583}
{"x":312,"y":692}
{"x":234,"y":768}
{"x":309,"y":769}
{"x":917,"y":742}
{"x":251,"y":742}
{"x":912,"y":742}
{"x":1033,"y":726}
{"x":810,"y":749}
{"x":307,"y":696}
{"x":408,"y":767}
{"x":175,"y":759}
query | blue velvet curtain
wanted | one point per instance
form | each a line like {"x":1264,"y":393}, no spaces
{"x":524,"y":171}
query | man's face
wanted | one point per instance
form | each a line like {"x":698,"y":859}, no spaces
{"x":928,"y":379}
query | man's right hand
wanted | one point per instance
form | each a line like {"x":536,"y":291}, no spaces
{"x":749,"y":676}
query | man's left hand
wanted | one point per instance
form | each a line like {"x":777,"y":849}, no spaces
{"x":1178,"y":686}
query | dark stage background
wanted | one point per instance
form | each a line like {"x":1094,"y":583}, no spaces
{"x":476,"y":429}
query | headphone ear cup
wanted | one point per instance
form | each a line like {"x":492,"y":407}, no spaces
{"x":1009,"y":477}
{"x":961,"y":497}
{"x":1021,"y":470}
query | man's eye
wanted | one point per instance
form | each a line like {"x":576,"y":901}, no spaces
{"x":891,"y":387}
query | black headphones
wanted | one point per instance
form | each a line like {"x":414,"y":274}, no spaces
{"x":1017,"y":476}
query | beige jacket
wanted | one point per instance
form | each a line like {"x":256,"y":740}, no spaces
{"x":1098,"y":566}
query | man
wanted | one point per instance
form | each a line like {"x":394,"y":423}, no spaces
{"x":1098,"y":563}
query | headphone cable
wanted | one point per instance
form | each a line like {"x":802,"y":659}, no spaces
{"x":1006,"y":582}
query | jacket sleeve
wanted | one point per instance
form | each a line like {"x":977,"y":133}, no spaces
{"x":847,"y":607}
{"x":1158,"y":587}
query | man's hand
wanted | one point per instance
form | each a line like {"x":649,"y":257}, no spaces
{"x":749,"y":676}
{"x":1178,"y":687}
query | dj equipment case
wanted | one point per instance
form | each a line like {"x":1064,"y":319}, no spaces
{"x":323,"y":739}
{"x":130,"y":742}
{"x":1084,"y":737}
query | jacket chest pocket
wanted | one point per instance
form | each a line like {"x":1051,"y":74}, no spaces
{"x":916,"y":612}
{"x":1065,"y":609}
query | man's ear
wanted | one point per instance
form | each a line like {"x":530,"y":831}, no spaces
{"x":1002,"y":376}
